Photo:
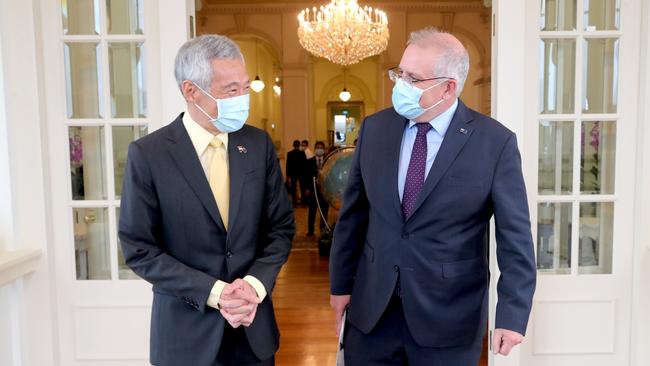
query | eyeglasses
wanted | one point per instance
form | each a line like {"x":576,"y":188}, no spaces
{"x":396,"y":73}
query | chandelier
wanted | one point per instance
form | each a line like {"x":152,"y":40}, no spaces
{"x":343,"y":32}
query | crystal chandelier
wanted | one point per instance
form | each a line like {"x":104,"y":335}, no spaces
{"x":343,"y":32}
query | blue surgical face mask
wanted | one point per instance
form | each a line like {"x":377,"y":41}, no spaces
{"x":406,"y":99}
{"x":232,"y":112}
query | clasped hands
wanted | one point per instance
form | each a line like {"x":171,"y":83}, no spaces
{"x":238,"y":303}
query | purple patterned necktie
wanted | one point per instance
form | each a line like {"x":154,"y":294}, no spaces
{"x":417,"y":167}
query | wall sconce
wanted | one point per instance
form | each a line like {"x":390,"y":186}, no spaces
{"x":344,"y":95}
{"x":257,"y":85}
{"x":276,"y":88}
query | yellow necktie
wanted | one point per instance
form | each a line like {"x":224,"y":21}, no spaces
{"x":219,"y":180}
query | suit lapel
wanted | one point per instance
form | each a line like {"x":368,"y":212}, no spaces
{"x":184,"y":155}
{"x":395,"y":135}
{"x":457,"y":135}
{"x":237,"y":167}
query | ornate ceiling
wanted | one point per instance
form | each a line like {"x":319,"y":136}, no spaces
{"x":247,"y":6}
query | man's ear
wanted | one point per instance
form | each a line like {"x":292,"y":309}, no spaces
{"x":451,"y":88}
{"x":189,"y":91}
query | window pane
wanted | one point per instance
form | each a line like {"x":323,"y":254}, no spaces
{"x":596,"y":234}
{"x":555,"y":175}
{"x":554,"y":237}
{"x":598,"y":157}
{"x":600,"y":76}
{"x":602,"y":15}
{"x":125,"y":273}
{"x":122,"y":137}
{"x":558,"y":15}
{"x":126,"y":67}
{"x":91,"y":243}
{"x":87,"y":162}
{"x":80,"y":16}
{"x":83,"y":81}
{"x":557,"y":75}
{"x":125,"y":16}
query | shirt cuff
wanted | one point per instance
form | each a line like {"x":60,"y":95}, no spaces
{"x":257,"y":285}
{"x":215,"y":294}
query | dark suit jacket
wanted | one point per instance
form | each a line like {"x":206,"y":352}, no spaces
{"x":172,"y":236}
{"x":296,"y":161}
{"x":441,"y":251}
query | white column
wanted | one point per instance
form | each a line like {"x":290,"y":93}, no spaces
{"x":640,"y":352}
{"x":508,"y":107}
{"x":174,"y":23}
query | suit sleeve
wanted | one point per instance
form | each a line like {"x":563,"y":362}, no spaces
{"x":277,"y":225}
{"x":140,"y":236}
{"x":351,"y":227}
{"x":515,"y":252}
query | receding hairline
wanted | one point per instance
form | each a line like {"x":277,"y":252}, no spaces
{"x":433,"y":38}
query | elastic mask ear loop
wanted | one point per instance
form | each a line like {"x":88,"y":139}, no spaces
{"x":438,"y":102}
{"x":199,"y":107}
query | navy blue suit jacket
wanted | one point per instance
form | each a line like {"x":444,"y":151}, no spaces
{"x":440,"y":253}
{"x":172,"y":236}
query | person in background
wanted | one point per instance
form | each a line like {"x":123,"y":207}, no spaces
{"x":314,"y":166}
{"x":304,"y":146}
{"x":296,"y":160}
{"x":305,"y":179}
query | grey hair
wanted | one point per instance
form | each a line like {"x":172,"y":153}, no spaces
{"x":194,"y":59}
{"x":453,"y":60}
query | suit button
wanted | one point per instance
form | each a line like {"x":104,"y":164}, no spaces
{"x":396,"y":268}
{"x":406,"y":236}
{"x":229,"y":254}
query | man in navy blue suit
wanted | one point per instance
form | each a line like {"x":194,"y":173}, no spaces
{"x":206,"y":220}
{"x":410,"y":253}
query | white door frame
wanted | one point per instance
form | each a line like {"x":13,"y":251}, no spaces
{"x":515,"y":71}
{"x":90,"y":312}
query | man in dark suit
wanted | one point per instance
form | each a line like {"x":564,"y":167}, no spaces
{"x":410,"y":251}
{"x":295,"y":166}
{"x":314,"y":166}
{"x":205,"y":218}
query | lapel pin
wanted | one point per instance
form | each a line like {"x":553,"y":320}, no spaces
{"x":463,"y":131}
{"x":242,"y":150}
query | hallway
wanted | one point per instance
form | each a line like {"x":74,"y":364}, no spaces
{"x":301,"y":299}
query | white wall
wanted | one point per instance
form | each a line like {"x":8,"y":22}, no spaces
{"x":9,"y":346}
{"x":11,"y":319}
{"x":6,"y":222}
{"x":22,"y":175}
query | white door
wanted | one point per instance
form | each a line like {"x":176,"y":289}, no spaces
{"x":566,"y":84}
{"x":108,"y":80}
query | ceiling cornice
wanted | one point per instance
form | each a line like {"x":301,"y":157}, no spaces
{"x":408,"y":6}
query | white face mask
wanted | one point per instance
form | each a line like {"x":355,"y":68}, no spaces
{"x":232,"y":112}
{"x":406,"y":99}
